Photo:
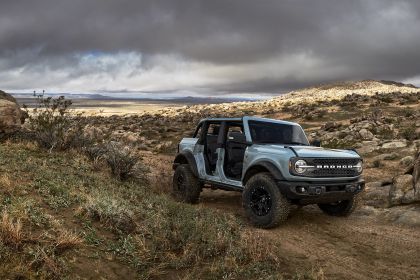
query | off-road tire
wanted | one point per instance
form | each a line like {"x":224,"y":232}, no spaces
{"x":185,"y":185}
{"x":341,"y":209}
{"x":261,"y":185}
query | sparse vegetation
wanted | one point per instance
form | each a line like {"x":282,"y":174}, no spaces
{"x":123,"y":160}
{"x":406,"y":112}
{"x":10,"y":231}
{"x":408,"y":133}
{"x":385,"y":133}
{"x":151,"y":232}
{"x":54,"y":125}
{"x":69,"y":202}
{"x":340,"y":144}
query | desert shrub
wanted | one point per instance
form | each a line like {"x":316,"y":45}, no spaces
{"x":321,"y":113}
{"x":410,"y":99}
{"x":109,"y":211}
{"x":406,"y":112}
{"x":340,"y":144}
{"x":377,"y":163}
{"x":54,"y":125}
{"x":348,"y":103}
{"x":287,"y":106}
{"x":124,"y":161}
{"x":408,"y":133}
{"x":385,"y":133}
{"x":308,"y":117}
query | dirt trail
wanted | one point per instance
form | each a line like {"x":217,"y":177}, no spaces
{"x":357,"y":247}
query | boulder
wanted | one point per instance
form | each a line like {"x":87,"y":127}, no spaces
{"x":406,"y":161}
{"x":367,"y":147}
{"x":407,"y":216}
{"x":330,"y":126}
{"x":402,"y":190}
{"x":395,"y":144}
{"x":11,"y":116}
{"x":366,"y":134}
{"x":376,"y":195}
{"x":389,"y":156}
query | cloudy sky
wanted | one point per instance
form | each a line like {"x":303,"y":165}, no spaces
{"x":207,"y":47}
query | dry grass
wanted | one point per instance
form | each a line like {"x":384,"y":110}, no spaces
{"x":259,"y":247}
{"x":110,"y":211}
{"x":67,"y":240}
{"x":6,"y":184}
{"x":160,"y":176}
{"x":11,"y":230}
{"x":47,"y":262}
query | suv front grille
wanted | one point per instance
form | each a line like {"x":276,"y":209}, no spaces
{"x":331,"y":167}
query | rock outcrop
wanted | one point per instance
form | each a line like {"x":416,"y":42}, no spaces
{"x":11,"y":116}
{"x":402,"y":189}
{"x":406,"y":187}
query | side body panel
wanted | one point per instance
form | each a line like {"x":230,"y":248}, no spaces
{"x":191,"y":145}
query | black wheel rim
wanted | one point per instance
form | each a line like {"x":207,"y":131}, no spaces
{"x":180,"y":183}
{"x":260,"y":201}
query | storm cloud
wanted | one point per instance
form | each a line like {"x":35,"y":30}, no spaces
{"x":205,"y":47}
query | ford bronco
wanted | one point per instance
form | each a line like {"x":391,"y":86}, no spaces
{"x":272,"y":163}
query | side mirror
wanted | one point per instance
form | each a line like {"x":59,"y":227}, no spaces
{"x":316,"y":143}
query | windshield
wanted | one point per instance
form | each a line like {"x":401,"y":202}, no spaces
{"x":277,"y":133}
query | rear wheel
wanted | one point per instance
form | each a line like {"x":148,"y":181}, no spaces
{"x":340,"y":208}
{"x":264,"y":204}
{"x":186,"y":187}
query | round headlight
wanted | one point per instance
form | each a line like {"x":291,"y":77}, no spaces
{"x":359,"y":167}
{"x":300,"y":166}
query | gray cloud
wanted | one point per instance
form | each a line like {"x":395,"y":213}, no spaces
{"x":211,"y":46}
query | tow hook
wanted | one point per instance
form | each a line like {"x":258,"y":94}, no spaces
{"x":354,"y":188}
{"x":316,"y":190}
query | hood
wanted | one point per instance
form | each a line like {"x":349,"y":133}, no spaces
{"x":318,"y":152}
{"x":311,"y":151}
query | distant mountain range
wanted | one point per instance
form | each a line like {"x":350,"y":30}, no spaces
{"x":186,"y":99}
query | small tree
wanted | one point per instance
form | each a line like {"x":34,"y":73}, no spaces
{"x":55,"y":125}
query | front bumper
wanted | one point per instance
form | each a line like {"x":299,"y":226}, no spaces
{"x":307,"y":192}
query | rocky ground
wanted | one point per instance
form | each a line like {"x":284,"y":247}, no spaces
{"x":381,"y":240}
{"x":381,"y":120}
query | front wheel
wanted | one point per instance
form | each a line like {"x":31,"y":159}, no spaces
{"x":340,"y":208}
{"x":186,"y":187}
{"x":264,"y":204}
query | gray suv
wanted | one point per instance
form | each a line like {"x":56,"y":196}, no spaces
{"x":272,"y":163}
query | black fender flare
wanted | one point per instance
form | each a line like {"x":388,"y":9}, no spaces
{"x":186,"y":158}
{"x":262,"y":166}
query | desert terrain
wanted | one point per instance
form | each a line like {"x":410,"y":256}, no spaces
{"x":72,"y":213}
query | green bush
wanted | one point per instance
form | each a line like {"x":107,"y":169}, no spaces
{"x":406,"y":112}
{"x":408,"y":133}
{"x":54,"y":125}
{"x":385,"y":133}
{"x":340,"y":144}
{"x":123,"y":160}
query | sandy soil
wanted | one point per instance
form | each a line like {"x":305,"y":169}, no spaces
{"x":113,"y":106}
{"x":116,"y":107}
